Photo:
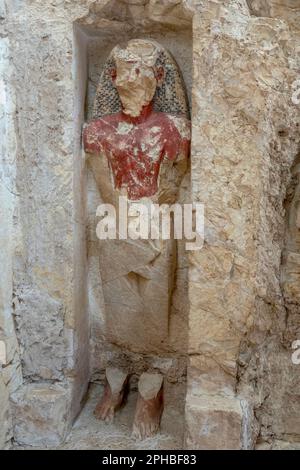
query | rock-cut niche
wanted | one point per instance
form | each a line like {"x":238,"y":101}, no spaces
{"x":137,"y":144}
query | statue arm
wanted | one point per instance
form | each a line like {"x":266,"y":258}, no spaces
{"x":183,"y":150}
{"x":93,"y":144}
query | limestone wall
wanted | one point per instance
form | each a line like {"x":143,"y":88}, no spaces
{"x":48,"y":257}
{"x":245,"y":140}
{"x":10,"y":368}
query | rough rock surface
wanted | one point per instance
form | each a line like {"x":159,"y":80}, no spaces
{"x":41,"y":414}
{"x":245,"y":140}
{"x":103,"y":351}
{"x":243,"y":311}
{"x":88,"y":433}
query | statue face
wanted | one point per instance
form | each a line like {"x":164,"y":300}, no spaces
{"x":136,"y":84}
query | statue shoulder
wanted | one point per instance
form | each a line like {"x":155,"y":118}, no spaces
{"x":180,"y":124}
{"x":174,"y":124}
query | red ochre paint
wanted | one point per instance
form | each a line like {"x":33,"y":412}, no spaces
{"x":136,"y":147}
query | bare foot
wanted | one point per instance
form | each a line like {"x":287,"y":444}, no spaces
{"x":116,"y":380}
{"x":149,"y":406}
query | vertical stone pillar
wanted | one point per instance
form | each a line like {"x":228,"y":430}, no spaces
{"x":10,"y":369}
{"x":239,"y":172}
{"x":225,"y":178}
{"x":49,"y":276}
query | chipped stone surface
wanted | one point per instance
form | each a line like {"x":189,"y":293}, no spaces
{"x":242,"y":320}
{"x":241,"y":160}
{"x":101,"y":352}
{"x":88,"y":433}
{"x":41,"y":414}
{"x":3,"y":356}
{"x":149,"y":385}
{"x":10,"y":369}
{"x":213,"y":423}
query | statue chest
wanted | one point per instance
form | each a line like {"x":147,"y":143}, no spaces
{"x":134,"y":153}
{"x":131,"y":146}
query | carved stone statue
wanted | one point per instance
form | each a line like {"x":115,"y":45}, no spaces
{"x":138,"y":143}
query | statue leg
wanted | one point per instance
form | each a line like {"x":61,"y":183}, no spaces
{"x":149,"y":406}
{"x":113,"y":395}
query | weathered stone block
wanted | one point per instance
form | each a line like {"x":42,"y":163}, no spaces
{"x":41,"y":414}
{"x":213,"y":423}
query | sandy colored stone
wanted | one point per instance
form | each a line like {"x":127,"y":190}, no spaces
{"x":243,"y":313}
{"x":88,"y":433}
{"x":289,"y":10}
{"x":236,"y":303}
{"x":138,"y":283}
{"x":213,"y":423}
{"x":114,"y":394}
{"x":129,"y":254}
{"x":3,"y":356}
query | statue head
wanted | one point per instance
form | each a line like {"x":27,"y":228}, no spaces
{"x":137,"y":74}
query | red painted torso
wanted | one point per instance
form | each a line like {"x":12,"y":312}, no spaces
{"x":136,"y":147}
